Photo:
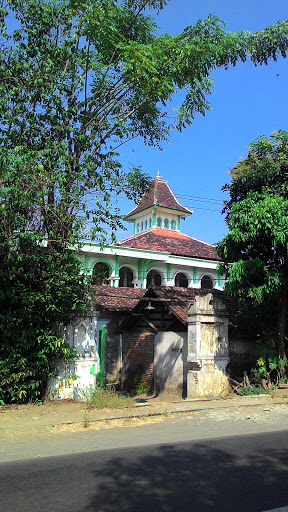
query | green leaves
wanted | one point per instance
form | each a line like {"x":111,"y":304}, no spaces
{"x":79,"y":79}
{"x":255,"y":251}
{"x":41,"y":288}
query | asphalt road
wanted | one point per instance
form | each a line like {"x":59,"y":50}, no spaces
{"x":233,"y":474}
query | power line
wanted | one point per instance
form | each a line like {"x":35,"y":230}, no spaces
{"x":200,"y":200}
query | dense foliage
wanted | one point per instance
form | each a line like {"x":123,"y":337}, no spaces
{"x":257,"y":242}
{"x":39,"y":292}
{"x":78,"y":79}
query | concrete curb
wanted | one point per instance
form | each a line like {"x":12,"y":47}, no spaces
{"x":167,"y":409}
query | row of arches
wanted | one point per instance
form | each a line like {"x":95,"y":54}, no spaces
{"x":160,"y":222}
{"x":101,"y":275}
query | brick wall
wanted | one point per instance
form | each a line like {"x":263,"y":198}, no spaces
{"x":138,"y":358}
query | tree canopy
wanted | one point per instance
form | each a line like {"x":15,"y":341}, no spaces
{"x":255,"y":251}
{"x":80,"y":78}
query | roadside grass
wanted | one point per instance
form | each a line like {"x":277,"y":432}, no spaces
{"x":254,"y":390}
{"x":105,"y":398}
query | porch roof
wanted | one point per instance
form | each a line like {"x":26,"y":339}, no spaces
{"x":116,"y":299}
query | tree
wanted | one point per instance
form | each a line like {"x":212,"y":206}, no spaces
{"x":78,"y":79}
{"x":255,"y":251}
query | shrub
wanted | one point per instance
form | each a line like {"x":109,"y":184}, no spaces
{"x":105,"y":398}
{"x":253,"y":390}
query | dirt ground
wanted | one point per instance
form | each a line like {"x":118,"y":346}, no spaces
{"x":19,"y":421}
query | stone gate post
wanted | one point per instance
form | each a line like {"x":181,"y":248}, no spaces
{"x":207,"y":347}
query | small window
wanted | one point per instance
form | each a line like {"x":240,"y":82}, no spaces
{"x":159,"y":222}
{"x":181,"y":280}
{"x":153,"y":278}
{"x":150,"y":223}
{"x":142,"y":225}
{"x":146,"y":224}
{"x":101,"y":274}
{"x":138,"y":227}
{"x":166,"y":223}
{"x":173,"y":224}
{"x":126,"y":277}
{"x":206,"y":283}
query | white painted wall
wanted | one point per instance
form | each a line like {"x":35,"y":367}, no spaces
{"x":73,"y":378}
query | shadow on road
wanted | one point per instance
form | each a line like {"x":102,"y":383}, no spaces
{"x":220,"y":475}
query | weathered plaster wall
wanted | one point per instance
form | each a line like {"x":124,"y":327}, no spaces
{"x":112,"y":347}
{"x":72,"y":379}
{"x":207,"y":347}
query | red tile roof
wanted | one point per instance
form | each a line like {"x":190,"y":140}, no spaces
{"x":171,"y":242}
{"x":181,"y":298}
{"x":177,"y":300}
{"x":159,"y":194}
{"x":116,"y":299}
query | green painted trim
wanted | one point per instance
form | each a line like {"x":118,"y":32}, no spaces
{"x":100,"y":374}
{"x":110,"y":265}
{"x":153,"y":219}
{"x":178,"y":222}
{"x":219,"y":278}
{"x":169,"y":266}
{"x":144,"y":275}
{"x":145,"y":267}
{"x":134,"y":227}
{"x":117,"y":264}
{"x":194,"y":259}
{"x":140,"y":263}
{"x":195,"y":275}
{"x":182,"y":212}
{"x":93,"y":369}
{"x":158,"y":252}
{"x":147,"y":263}
{"x":86,"y":262}
{"x":133,"y":250}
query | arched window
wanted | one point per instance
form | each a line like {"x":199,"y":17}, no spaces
{"x":126,"y":277}
{"x":150,"y":223}
{"x":101,"y":274}
{"x":142,"y":225}
{"x":166,"y":223}
{"x":153,"y":278}
{"x":138,"y":227}
{"x":159,"y":222}
{"x":206,"y":283}
{"x":181,"y":280}
{"x":146,"y":224}
{"x":173,"y":224}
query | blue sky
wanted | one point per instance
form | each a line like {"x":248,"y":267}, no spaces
{"x":247,"y":102}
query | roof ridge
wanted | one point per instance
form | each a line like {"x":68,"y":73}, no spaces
{"x":155,"y":228}
{"x":184,"y":234}
{"x":135,"y":235}
{"x":177,"y":200}
{"x":199,"y":240}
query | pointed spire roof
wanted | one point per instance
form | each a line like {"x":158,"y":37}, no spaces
{"x":159,"y":194}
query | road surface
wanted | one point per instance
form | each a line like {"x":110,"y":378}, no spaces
{"x":229,"y":474}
